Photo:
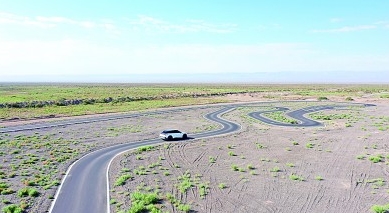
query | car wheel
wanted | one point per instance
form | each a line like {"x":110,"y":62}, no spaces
{"x":170,"y":137}
{"x":184,"y":136}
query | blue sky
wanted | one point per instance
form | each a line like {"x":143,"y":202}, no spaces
{"x":57,"y":40}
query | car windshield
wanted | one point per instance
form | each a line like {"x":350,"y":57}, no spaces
{"x":171,"y":131}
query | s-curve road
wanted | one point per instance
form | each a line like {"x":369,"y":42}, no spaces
{"x":298,"y":115}
{"x":85,"y":187}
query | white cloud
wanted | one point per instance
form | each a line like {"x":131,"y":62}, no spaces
{"x":55,"y":21}
{"x":7,"y":18}
{"x":150,"y":23}
{"x":346,"y":29}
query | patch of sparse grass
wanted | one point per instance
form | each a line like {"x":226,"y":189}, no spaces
{"x":361,"y":157}
{"x":122,"y":179}
{"x":24,"y":192}
{"x":212,"y":159}
{"x":279,"y":116}
{"x":322,"y":98}
{"x":275,"y":169}
{"x":309,"y":145}
{"x":376,"y":158}
{"x":296,"y":177}
{"x":177,"y":203}
{"x":380,"y":208}
{"x":250,"y":167}
{"x":378,"y":182}
{"x":260,"y":146}
{"x":234,"y":167}
{"x":144,"y":202}
{"x":142,"y":149}
{"x":290,"y":164}
{"x":13,"y":208}
{"x":231,"y":153}
{"x":185,"y":182}
{"x":222,"y":186}
{"x":203,"y":187}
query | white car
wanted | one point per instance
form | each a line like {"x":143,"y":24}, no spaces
{"x":172,"y":134}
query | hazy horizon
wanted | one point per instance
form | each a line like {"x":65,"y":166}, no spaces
{"x":273,"y":77}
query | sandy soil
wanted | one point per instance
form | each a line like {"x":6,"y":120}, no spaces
{"x":347,"y":183}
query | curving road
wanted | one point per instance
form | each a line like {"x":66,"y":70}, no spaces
{"x":297,"y":114}
{"x":85,"y":188}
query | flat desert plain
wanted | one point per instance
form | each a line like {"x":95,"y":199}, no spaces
{"x":339,"y":167}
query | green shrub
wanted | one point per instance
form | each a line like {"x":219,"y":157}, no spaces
{"x":376,"y":159}
{"x":28,"y":192}
{"x":144,"y":202}
{"x":322,"y":98}
{"x":222,"y":185}
{"x":33,"y":192}
{"x":296,"y":177}
{"x":309,"y":145}
{"x":234,"y":167}
{"x":212,"y":159}
{"x":23,"y":192}
{"x":231,"y":153}
{"x":144,"y":149}
{"x":122,"y":179}
{"x":184,"y":207}
{"x":250,"y":167}
{"x":12,"y":209}
{"x":380,"y":209}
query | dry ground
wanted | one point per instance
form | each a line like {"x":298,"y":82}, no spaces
{"x":345,"y":186}
{"x":36,"y":158}
{"x":267,"y":158}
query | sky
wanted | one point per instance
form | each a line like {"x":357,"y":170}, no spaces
{"x":139,"y":40}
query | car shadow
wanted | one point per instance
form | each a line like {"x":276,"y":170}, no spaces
{"x":181,"y":139}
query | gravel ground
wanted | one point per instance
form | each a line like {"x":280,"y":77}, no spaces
{"x":278,"y":169}
{"x":35,"y":159}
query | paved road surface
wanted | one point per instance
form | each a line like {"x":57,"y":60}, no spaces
{"x":85,"y":187}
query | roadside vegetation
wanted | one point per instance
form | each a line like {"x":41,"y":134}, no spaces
{"x":281,"y":117}
{"x":28,"y":101}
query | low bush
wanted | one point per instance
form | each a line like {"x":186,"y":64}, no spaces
{"x":12,"y":209}
{"x":380,"y":209}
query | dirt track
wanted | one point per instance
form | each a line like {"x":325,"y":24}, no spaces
{"x":348,"y":184}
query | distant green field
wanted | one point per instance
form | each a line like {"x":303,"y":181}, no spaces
{"x":37,"y":100}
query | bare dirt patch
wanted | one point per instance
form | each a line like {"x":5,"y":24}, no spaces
{"x":266,"y":168}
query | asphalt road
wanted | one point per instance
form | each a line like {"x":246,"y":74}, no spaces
{"x":85,"y":187}
{"x":297,"y":114}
